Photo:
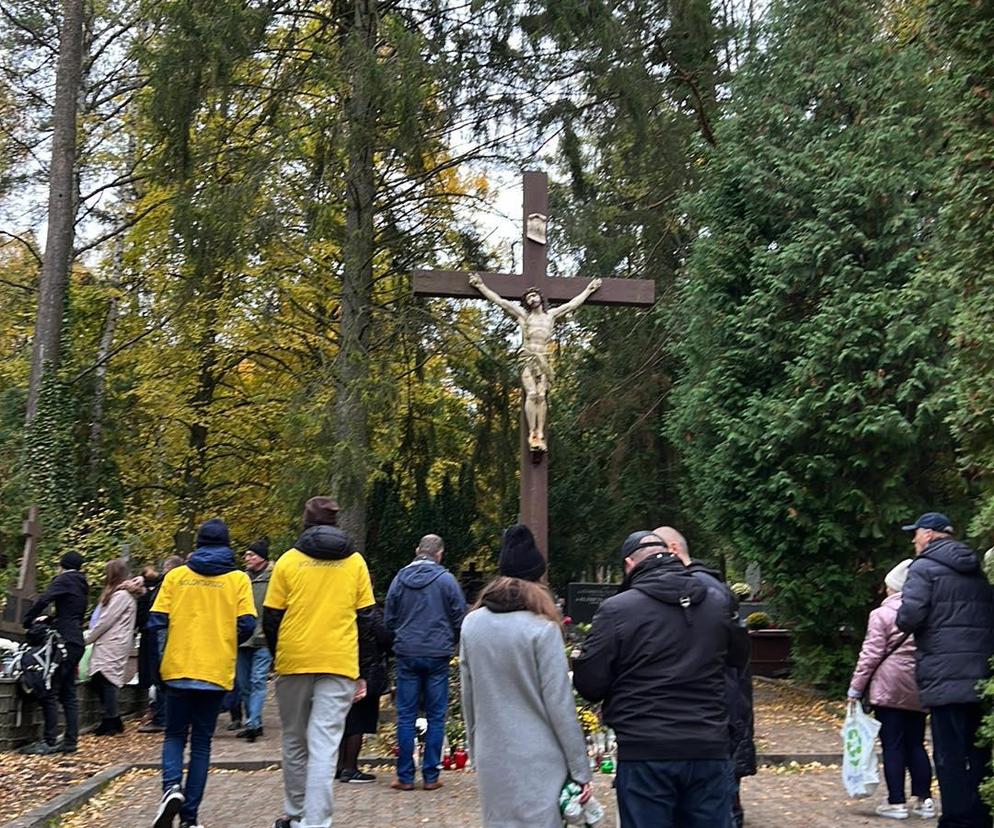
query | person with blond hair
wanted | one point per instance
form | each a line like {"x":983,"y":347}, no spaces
{"x":515,"y":680}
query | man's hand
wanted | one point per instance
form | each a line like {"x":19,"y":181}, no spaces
{"x":475,"y":280}
{"x":595,"y":283}
{"x":586,"y":791}
{"x":360,"y":690}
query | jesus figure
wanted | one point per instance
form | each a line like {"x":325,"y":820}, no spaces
{"x":536,"y":322}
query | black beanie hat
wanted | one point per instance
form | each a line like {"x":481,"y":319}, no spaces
{"x":213,"y":532}
{"x":71,"y":560}
{"x":519,"y":555}
{"x":320,"y":511}
{"x":260,"y":548}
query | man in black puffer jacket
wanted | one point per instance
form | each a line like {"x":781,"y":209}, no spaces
{"x":656,"y":656}
{"x":948,"y":604}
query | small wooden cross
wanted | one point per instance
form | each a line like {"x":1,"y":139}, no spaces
{"x":534,"y":504}
{"x":19,"y":599}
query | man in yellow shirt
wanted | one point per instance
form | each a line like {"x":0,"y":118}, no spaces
{"x":203,"y":610}
{"x":318,"y":591}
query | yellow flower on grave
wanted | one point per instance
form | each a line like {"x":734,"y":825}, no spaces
{"x":589,"y":721}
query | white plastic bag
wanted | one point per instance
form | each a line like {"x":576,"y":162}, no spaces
{"x":859,"y":752}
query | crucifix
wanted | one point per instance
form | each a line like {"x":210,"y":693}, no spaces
{"x":534,"y":289}
{"x":19,"y":598}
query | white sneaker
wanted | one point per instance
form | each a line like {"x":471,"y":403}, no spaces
{"x":893,"y":811}
{"x":172,"y":801}
{"x":924,"y":808}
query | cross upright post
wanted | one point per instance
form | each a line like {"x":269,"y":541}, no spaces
{"x":534,"y":465}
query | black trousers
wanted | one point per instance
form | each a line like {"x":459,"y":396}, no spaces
{"x":63,"y":693}
{"x":107,"y":693}
{"x":902,"y":734}
{"x":960,"y":765}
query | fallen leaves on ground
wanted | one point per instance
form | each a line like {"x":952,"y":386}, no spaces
{"x":793,"y":719}
{"x":114,"y":794}
{"x":28,"y":781}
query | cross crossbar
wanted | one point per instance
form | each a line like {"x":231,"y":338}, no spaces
{"x":556,"y":289}
{"x":534,"y":503}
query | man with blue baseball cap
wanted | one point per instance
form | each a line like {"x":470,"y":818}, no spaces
{"x":948,"y":604}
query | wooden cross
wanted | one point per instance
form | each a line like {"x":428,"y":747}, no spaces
{"x":534,"y":504}
{"x":19,"y":598}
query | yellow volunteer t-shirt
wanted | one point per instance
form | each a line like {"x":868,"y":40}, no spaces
{"x":318,"y":633}
{"x":202,"y":638}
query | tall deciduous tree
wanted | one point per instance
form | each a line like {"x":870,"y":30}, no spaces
{"x":46,"y":348}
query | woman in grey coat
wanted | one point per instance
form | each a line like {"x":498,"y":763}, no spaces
{"x":524,"y":739}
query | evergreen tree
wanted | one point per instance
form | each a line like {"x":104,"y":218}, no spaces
{"x":807,"y":411}
{"x":962,"y":31}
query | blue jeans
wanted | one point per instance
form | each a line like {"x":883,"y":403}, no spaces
{"x":253,"y":670}
{"x":689,"y":793}
{"x":421,"y":683}
{"x":189,"y":714}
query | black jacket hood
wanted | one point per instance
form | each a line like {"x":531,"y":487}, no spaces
{"x":668,"y":581}
{"x":954,"y":554}
{"x":326,"y":543}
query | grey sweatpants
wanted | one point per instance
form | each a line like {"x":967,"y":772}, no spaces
{"x":313,"y":707}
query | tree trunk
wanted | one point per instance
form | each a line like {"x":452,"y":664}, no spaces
{"x":352,"y":367}
{"x":99,"y":393}
{"x":46,"y":347}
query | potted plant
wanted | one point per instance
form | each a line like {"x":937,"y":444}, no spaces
{"x":770,"y":646}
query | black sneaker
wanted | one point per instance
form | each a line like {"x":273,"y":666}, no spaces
{"x":282,"y":822}
{"x":172,"y":801}
{"x":356,"y":776}
{"x":39,"y":749}
{"x":187,"y":824}
{"x":234,"y":726}
{"x":66,"y":747}
{"x":250,"y":733}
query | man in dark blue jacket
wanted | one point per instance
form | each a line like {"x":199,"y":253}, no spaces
{"x":948,"y":604}
{"x":67,"y":592}
{"x":424,"y":611}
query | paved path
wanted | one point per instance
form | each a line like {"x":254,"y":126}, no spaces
{"x":803,"y":798}
{"x":787,"y":721}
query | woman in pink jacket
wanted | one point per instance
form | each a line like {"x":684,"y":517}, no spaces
{"x":885,"y":673}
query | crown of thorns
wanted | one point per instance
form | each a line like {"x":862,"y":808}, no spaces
{"x":537,"y":292}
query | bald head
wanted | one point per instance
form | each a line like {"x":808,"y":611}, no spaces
{"x":676,"y":544}
{"x":431,"y":546}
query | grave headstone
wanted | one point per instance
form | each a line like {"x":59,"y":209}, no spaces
{"x":582,"y":600}
{"x":754,"y":577}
